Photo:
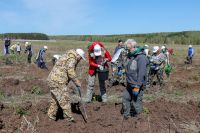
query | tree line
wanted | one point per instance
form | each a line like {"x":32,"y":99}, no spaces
{"x":28,"y":36}
{"x":185,"y":37}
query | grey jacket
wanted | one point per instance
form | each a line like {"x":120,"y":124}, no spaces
{"x":136,"y":70}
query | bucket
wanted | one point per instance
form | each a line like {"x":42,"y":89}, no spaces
{"x":103,"y":75}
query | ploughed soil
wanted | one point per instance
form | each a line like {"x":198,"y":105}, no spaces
{"x":172,"y":108}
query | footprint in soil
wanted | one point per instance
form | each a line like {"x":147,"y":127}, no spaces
{"x":96,"y":108}
{"x":16,"y":82}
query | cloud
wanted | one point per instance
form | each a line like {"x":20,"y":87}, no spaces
{"x":50,"y":16}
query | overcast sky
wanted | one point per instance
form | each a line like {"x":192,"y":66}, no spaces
{"x":72,"y":17}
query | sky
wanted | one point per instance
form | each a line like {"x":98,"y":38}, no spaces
{"x":98,"y":17}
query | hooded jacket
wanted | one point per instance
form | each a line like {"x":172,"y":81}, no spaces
{"x":40,"y":55}
{"x":136,"y":69}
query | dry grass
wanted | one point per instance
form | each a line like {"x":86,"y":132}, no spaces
{"x":60,"y":47}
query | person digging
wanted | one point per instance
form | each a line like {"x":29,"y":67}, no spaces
{"x":62,"y":73}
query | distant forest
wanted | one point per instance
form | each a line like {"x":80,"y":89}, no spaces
{"x":185,"y":37}
{"x":28,"y":36}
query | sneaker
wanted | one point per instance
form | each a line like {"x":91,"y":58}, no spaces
{"x":104,"y":98}
{"x":87,"y":101}
{"x":71,"y":119}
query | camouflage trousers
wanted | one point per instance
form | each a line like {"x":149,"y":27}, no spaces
{"x":158,"y":74}
{"x":118,"y":75}
{"x":60,"y":98}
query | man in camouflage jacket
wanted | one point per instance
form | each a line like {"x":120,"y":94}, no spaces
{"x":58,"y":79}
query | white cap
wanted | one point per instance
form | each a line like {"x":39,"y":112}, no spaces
{"x":81,"y":53}
{"x":57,"y":56}
{"x":155,"y":49}
{"x":163,"y":47}
{"x":146,"y":45}
{"x":190,"y":46}
{"x":45,"y":47}
{"x":97,"y":50}
{"x":26,"y":43}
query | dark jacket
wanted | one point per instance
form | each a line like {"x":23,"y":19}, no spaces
{"x":136,"y":70}
{"x":29,"y":49}
{"x":7,"y":43}
{"x":40,"y":55}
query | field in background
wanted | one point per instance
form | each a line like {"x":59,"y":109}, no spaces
{"x":24,"y":97}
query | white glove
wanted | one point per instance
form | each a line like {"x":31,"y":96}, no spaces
{"x":100,"y":67}
{"x":91,"y":54}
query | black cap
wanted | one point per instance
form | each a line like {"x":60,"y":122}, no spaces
{"x":120,"y":41}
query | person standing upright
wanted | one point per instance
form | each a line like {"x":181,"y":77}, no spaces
{"x":190,"y":54}
{"x":6,"y":46}
{"x":18,"y":48}
{"x":136,"y":73}
{"x":29,"y":50}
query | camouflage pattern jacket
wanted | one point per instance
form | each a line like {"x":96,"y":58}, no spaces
{"x":159,"y":59}
{"x":64,"y":70}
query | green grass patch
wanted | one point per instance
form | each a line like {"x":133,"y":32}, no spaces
{"x":146,"y":110}
{"x":36,"y":90}
{"x":149,"y":97}
{"x":20,"y":111}
{"x":198,"y":98}
{"x":30,"y":78}
{"x":2,"y":96}
{"x":179,"y":93}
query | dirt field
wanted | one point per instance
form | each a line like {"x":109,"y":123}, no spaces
{"x":24,"y":100}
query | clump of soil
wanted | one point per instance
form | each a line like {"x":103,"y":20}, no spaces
{"x":1,"y":124}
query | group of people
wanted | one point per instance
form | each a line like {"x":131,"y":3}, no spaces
{"x":158,"y":63}
{"x":131,"y":64}
{"x":16,"y":49}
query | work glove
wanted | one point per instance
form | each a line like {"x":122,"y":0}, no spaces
{"x":78,"y":88}
{"x":100,"y":67}
{"x":120,"y":73}
{"x":104,"y":62}
{"x":135,"y":91}
{"x":92,"y":55}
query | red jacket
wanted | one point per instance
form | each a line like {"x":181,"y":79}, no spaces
{"x":92,"y":62}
